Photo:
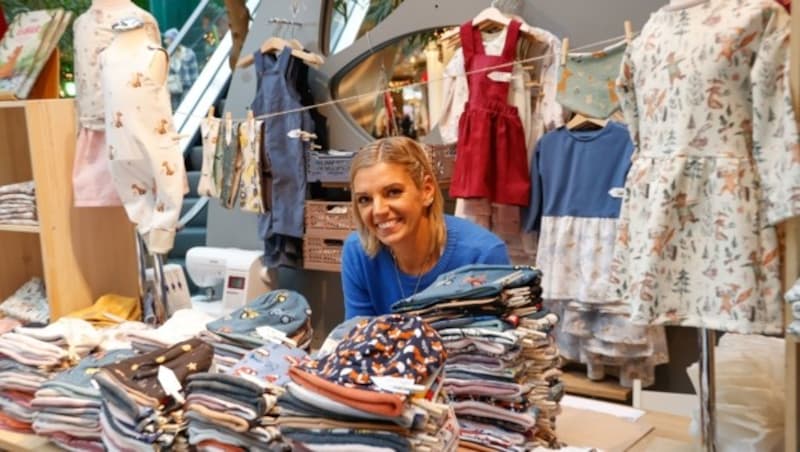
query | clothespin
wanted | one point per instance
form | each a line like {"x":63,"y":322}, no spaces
{"x":628,"y":31}
{"x":564,"y":50}
{"x":250,"y":116}
{"x":210,"y":112}
{"x":228,"y":122}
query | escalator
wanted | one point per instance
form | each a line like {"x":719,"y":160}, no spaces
{"x":199,"y":66}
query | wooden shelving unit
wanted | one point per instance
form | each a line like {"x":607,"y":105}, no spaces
{"x":81,"y":253}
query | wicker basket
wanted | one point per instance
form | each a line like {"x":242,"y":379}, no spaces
{"x":329,"y":219}
{"x":322,"y":254}
{"x":443,"y":158}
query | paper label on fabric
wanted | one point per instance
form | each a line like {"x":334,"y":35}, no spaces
{"x":273,"y":335}
{"x":617,"y":192}
{"x":397,"y":385}
{"x":499,"y":76}
{"x":170,"y":383}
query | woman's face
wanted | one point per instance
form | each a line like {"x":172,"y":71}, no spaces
{"x":390,"y":204}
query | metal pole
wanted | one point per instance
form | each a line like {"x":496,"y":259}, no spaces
{"x":707,"y":391}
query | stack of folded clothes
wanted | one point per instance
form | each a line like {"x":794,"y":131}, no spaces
{"x":68,"y":405}
{"x":18,"y":204}
{"x":28,"y":304}
{"x":501,"y":375}
{"x":373,"y":392}
{"x":31,"y":356}
{"x":236,"y":410}
{"x":142,"y":398}
{"x":282,"y":316}
{"x":184,"y":324}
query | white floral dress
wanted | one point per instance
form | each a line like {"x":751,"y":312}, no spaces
{"x":705,"y":93}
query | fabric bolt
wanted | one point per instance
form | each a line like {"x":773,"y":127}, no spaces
{"x":362,"y":399}
{"x":250,"y":136}
{"x":491,"y":140}
{"x":146,"y":165}
{"x":587,"y":81}
{"x":92,"y":185}
{"x":210,"y":133}
{"x":696,"y":244}
{"x":28,"y":304}
{"x":270,"y":363}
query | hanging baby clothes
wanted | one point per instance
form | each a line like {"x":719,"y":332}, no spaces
{"x":250,"y":198}
{"x":705,"y":92}
{"x":490,"y":153}
{"x":91,"y":179}
{"x":281,"y":227}
{"x":537,"y":109}
{"x":209,"y":131}
{"x":145,"y":161}
{"x":577,"y":180}
{"x":587,"y":81}
{"x":227,"y":145}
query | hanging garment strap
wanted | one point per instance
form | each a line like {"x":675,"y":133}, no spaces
{"x":510,"y":47}
{"x":258,"y":57}
{"x":467,"y":41}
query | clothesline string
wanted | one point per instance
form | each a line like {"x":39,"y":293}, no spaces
{"x":420,"y":83}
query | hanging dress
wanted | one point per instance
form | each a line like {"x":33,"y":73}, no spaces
{"x":491,"y":158}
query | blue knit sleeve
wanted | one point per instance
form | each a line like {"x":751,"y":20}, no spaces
{"x":354,"y":282}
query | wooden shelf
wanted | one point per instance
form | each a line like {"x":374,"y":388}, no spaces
{"x":19,"y":228}
{"x":578,"y":383}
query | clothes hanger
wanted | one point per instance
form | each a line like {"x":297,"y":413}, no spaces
{"x":490,"y":18}
{"x":579,"y":121}
{"x":275,"y":44}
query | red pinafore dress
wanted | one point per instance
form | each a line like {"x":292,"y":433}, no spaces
{"x":491,"y":159}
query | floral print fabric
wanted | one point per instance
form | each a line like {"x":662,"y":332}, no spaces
{"x":705,"y":93}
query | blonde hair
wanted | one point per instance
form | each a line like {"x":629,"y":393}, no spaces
{"x":412,"y":156}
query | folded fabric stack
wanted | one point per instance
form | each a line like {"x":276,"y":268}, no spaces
{"x":28,"y":304}
{"x":371,"y":392}
{"x":68,"y":405}
{"x":501,"y":375}
{"x":31,"y":356}
{"x":236,"y":410}
{"x":281,"y":316}
{"x":184,"y":324}
{"x":18,"y":204}
{"x":142,"y":407}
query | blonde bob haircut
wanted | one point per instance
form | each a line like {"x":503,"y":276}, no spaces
{"x":412,"y":156}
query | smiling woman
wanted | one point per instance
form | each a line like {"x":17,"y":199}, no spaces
{"x":404,"y":239}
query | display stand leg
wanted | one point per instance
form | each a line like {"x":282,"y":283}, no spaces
{"x":707,"y":391}
{"x":161,"y":287}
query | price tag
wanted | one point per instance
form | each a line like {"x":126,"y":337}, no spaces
{"x":274,"y":335}
{"x":170,"y":383}
{"x":397,"y":385}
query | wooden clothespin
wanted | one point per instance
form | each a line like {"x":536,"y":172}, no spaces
{"x":210,"y":112}
{"x":250,"y":116}
{"x":228,"y":120}
{"x":628,"y":31}
{"x":564,"y":50}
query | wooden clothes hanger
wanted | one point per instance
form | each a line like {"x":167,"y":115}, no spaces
{"x":487,"y":19}
{"x":276,"y":44}
{"x":579,"y":120}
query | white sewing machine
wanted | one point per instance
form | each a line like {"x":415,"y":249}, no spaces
{"x":230,"y":277}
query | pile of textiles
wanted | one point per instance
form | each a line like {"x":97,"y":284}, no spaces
{"x":31,"y":356}
{"x":141,"y":409}
{"x":184,"y":324}
{"x":28,"y":304}
{"x":236,"y":410}
{"x":277,"y":316}
{"x":501,"y":374}
{"x":374,"y":391}
{"x":18,"y":204}
{"x":68,"y":405}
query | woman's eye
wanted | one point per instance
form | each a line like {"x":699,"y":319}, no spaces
{"x":362,"y":200}
{"x":395,"y":192}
